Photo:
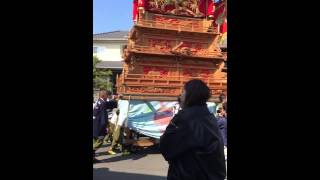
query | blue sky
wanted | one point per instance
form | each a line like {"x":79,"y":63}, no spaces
{"x":112,"y":15}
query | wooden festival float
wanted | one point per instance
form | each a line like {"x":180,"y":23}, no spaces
{"x":170,"y":43}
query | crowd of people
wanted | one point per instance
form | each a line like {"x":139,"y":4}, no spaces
{"x":194,"y":143}
{"x":107,"y":128}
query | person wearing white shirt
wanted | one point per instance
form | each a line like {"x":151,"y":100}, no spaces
{"x":112,"y":124}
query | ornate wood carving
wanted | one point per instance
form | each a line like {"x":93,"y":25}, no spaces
{"x":164,"y":52}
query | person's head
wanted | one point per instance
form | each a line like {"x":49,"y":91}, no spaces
{"x":120,"y":97}
{"x":195,"y":92}
{"x":221,"y":111}
{"x":103,"y":94}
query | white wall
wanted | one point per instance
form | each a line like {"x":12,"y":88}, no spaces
{"x":111,"y":50}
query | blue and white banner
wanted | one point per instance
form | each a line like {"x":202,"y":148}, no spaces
{"x":149,"y":117}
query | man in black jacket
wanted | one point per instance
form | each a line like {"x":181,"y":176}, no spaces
{"x":100,"y":119}
{"x":192,"y":143}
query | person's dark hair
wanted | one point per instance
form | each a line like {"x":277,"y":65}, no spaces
{"x":196,"y":93}
{"x":109,"y":93}
{"x":179,"y":99}
{"x":120,"y":96}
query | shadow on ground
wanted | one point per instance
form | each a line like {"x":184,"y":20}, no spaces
{"x":104,"y":173}
{"x":134,"y":156}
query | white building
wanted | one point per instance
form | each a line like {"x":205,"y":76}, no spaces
{"x":108,"y":48}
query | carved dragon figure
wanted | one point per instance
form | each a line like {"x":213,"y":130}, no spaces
{"x":179,"y":6}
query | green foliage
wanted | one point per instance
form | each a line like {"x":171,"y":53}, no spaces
{"x":101,"y":77}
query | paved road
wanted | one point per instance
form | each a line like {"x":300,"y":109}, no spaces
{"x":146,"y":164}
